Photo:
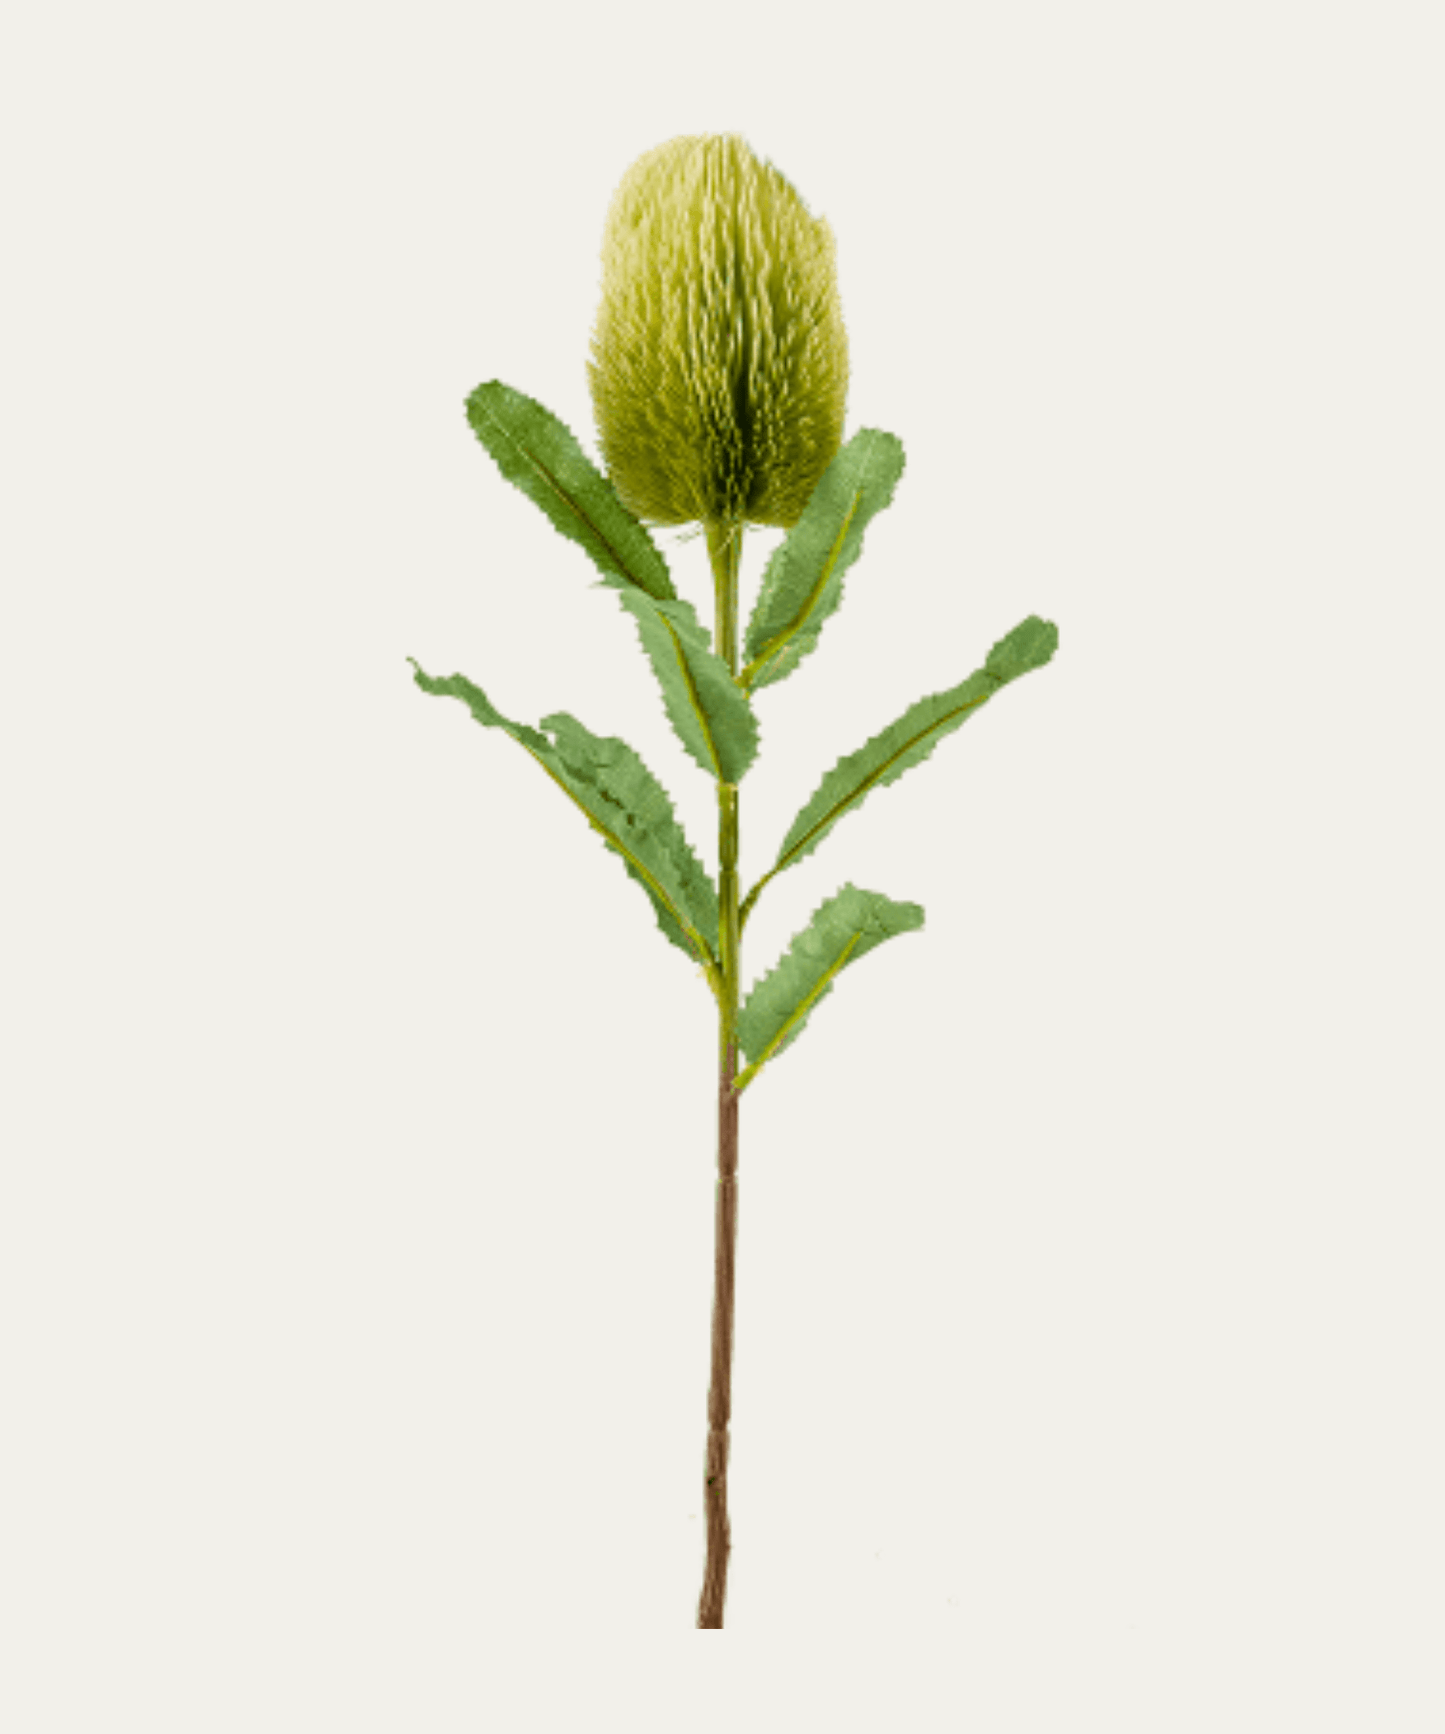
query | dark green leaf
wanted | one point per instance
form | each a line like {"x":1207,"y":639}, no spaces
{"x":803,"y":581}
{"x":841,"y":931}
{"x":909,"y":741}
{"x":625,"y":803}
{"x":708,"y":710}
{"x":540,"y":455}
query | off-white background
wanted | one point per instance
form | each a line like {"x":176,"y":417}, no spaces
{"x":358,"y":1123}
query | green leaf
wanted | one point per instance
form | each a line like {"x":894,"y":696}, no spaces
{"x":540,"y":455}
{"x":841,"y":931}
{"x":803,"y":582}
{"x":707,"y":708}
{"x":908,"y":741}
{"x":625,"y":803}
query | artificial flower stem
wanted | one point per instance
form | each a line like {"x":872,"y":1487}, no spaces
{"x":724,"y":546}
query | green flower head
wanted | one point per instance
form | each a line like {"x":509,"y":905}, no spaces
{"x":720,"y":363}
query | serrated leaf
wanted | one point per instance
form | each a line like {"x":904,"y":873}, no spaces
{"x":841,"y":931}
{"x":625,"y":803}
{"x":709,"y":712}
{"x":803,"y":581}
{"x":539,"y":454}
{"x":909,"y":741}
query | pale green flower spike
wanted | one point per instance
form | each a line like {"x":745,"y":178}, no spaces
{"x":720,"y":363}
{"x":719,"y":380}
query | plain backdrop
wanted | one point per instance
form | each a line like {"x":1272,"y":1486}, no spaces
{"x":358,"y":1124}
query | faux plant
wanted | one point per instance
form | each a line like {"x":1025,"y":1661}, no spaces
{"x":719,"y":380}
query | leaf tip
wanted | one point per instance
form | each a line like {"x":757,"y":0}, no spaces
{"x":1030,"y":645}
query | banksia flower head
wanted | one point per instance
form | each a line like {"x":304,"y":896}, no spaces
{"x":720,"y":362}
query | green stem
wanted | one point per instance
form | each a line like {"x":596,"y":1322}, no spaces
{"x":724,"y":546}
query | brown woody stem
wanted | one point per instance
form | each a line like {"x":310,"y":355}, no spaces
{"x":719,"y":1400}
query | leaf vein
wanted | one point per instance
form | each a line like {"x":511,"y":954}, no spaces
{"x":693,"y":698}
